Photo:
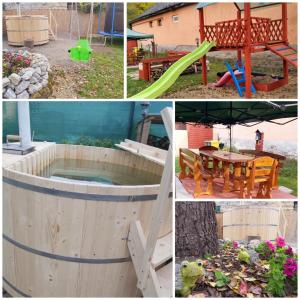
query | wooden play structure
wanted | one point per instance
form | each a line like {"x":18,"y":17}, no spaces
{"x":247,"y":35}
{"x":63,"y":239}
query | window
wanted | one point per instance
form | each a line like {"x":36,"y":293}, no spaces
{"x":175,"y":19}
{"x":151,"y":24}
{"x":159,"y":22}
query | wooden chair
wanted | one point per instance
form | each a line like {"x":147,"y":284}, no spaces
{"x":278,"y":157}
{"x":261,"y":170}
{"x":192,"y":161}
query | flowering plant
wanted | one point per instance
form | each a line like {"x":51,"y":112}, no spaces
{"x":14,"y":62}
{"x":283,"y":265}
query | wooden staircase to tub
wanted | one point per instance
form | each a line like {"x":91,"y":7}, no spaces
{"x":152,"y":255}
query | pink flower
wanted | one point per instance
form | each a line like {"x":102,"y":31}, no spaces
{"x":19,"y":58}
{"x":289,"y":251}
{"x":270,"y":245}
{"x":280,"y":242}
{"x":27,"y":61}
{"x":235,"y":244}
{"x":290,"y":267}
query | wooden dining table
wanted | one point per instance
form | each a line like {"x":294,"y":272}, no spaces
{"x":227,"y":158}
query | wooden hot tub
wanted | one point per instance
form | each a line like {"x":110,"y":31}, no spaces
{"x":21,"y":28}
{"x":68,"y":239}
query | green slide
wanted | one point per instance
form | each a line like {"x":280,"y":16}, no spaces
{"x":171,"y":75}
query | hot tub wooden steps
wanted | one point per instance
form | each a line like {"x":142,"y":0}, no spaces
{"x":159,"y":281}
{"x":151,"y":153}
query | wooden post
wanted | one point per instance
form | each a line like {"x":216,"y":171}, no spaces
{"x":285,"y":37}
{"x":247,"y":49}
{"x":239,"y":17}
{"x":202,"y":38}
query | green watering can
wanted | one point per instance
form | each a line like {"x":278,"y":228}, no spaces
{"x":81,"y":52}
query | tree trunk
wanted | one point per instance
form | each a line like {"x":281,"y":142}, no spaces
{"x":196,"y":229}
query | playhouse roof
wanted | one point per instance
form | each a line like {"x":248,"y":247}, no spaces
{"x":134,"y":35}
{"x":239,"y":5}
{"x":234,"y":112}
{"x":159,"y":8}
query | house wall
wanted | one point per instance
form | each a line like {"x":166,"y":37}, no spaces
{"x":186,"y":30}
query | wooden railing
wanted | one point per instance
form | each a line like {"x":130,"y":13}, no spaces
{"x":231,"y":33}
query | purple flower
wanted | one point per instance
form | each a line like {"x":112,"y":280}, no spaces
{"x":270,"y":245}
{"x":289,"y":251}
{"x":235,"y":244}
{"x":280,"y":242}
{"x":290,"y":267}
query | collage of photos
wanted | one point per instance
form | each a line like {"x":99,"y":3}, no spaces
{"x":149,"y":149}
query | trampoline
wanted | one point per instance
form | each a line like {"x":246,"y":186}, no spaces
{"x":113,"y":22}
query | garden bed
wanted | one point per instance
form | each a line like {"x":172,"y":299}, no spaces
{"x":264,"y":269}
{"x":24,"y":74}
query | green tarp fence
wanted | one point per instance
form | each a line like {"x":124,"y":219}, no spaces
{"x":58,"y":121}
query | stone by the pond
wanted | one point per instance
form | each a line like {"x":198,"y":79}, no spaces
{"x":22,"y":86}
{"x":34,"y":88}
{"x":10,"y":94}
{"x":5,"y":82}
{"x":23,"y":95}
{"x":14,"y":78}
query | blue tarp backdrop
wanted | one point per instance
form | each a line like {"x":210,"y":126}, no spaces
{"x":66,"y":120}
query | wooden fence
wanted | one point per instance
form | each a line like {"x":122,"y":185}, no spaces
{"x":63,"y":19}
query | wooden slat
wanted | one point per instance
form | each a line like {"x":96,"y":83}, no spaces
{"x":162,"y":251}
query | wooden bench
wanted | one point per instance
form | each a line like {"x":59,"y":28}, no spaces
{"x":278,"y":157}
{"x":192,"y":161}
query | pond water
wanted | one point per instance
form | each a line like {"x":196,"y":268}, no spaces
{"x":74,"y":170}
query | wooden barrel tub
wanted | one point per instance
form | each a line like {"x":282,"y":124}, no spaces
{"x":21,"y":28}
{"x":243,"y":222}
{"x":65,"y":239}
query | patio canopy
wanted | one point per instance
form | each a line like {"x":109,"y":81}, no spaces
{"x":134,"y":35}
{"x":246,"y":113}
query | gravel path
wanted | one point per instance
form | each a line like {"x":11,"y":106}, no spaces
{"x":57,"y":51}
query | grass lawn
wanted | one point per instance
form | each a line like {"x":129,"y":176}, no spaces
{"x":184,"y":81}
{"x":104,"y":79}
{"x":287,"y":176}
